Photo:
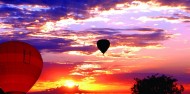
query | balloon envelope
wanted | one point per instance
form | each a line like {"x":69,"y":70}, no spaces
{"x":20,"y":67}
{"x":103,"y":45}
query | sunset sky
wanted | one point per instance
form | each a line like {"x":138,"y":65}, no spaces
{"x":146,"y":36}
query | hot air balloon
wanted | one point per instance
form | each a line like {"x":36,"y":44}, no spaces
{"x":20,"y":67}
{"x":103,"y":45}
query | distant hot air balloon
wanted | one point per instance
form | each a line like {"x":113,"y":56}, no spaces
{"x":103,"y":45}
{"x":20,"y":67}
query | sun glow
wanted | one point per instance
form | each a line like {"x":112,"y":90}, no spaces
{"x":69,"y":83}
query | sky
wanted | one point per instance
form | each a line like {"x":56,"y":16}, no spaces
{"x":146,"y":36}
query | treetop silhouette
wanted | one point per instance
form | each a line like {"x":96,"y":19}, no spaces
{"x":157,"y":84}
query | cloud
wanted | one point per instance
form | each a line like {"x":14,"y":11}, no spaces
{"x":176,"y":17}
{"x":112,"y":31}
{"x":73,"y":3}
{"x":43,"y":14}
{"x":89,"y":69}
{"x":150,"y":37}
{"x":48,"y":44}
{"x":139,"y":40}
{"x":174,"y":2}
{"x":128,"y":78}
{"x":145,"y":29}
{"x":56,"y":9}
{"x":65,"y":41}
{"x":170,"y":2}
{"x":55,"y":71}
{"x":105,"y":4}
{"x":31,"y":15}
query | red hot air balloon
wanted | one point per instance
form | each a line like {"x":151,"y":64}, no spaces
{"x":20,"y":67}
{"x":103,"y":45}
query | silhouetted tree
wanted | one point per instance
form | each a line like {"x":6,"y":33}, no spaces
{"x":157,"y":84}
